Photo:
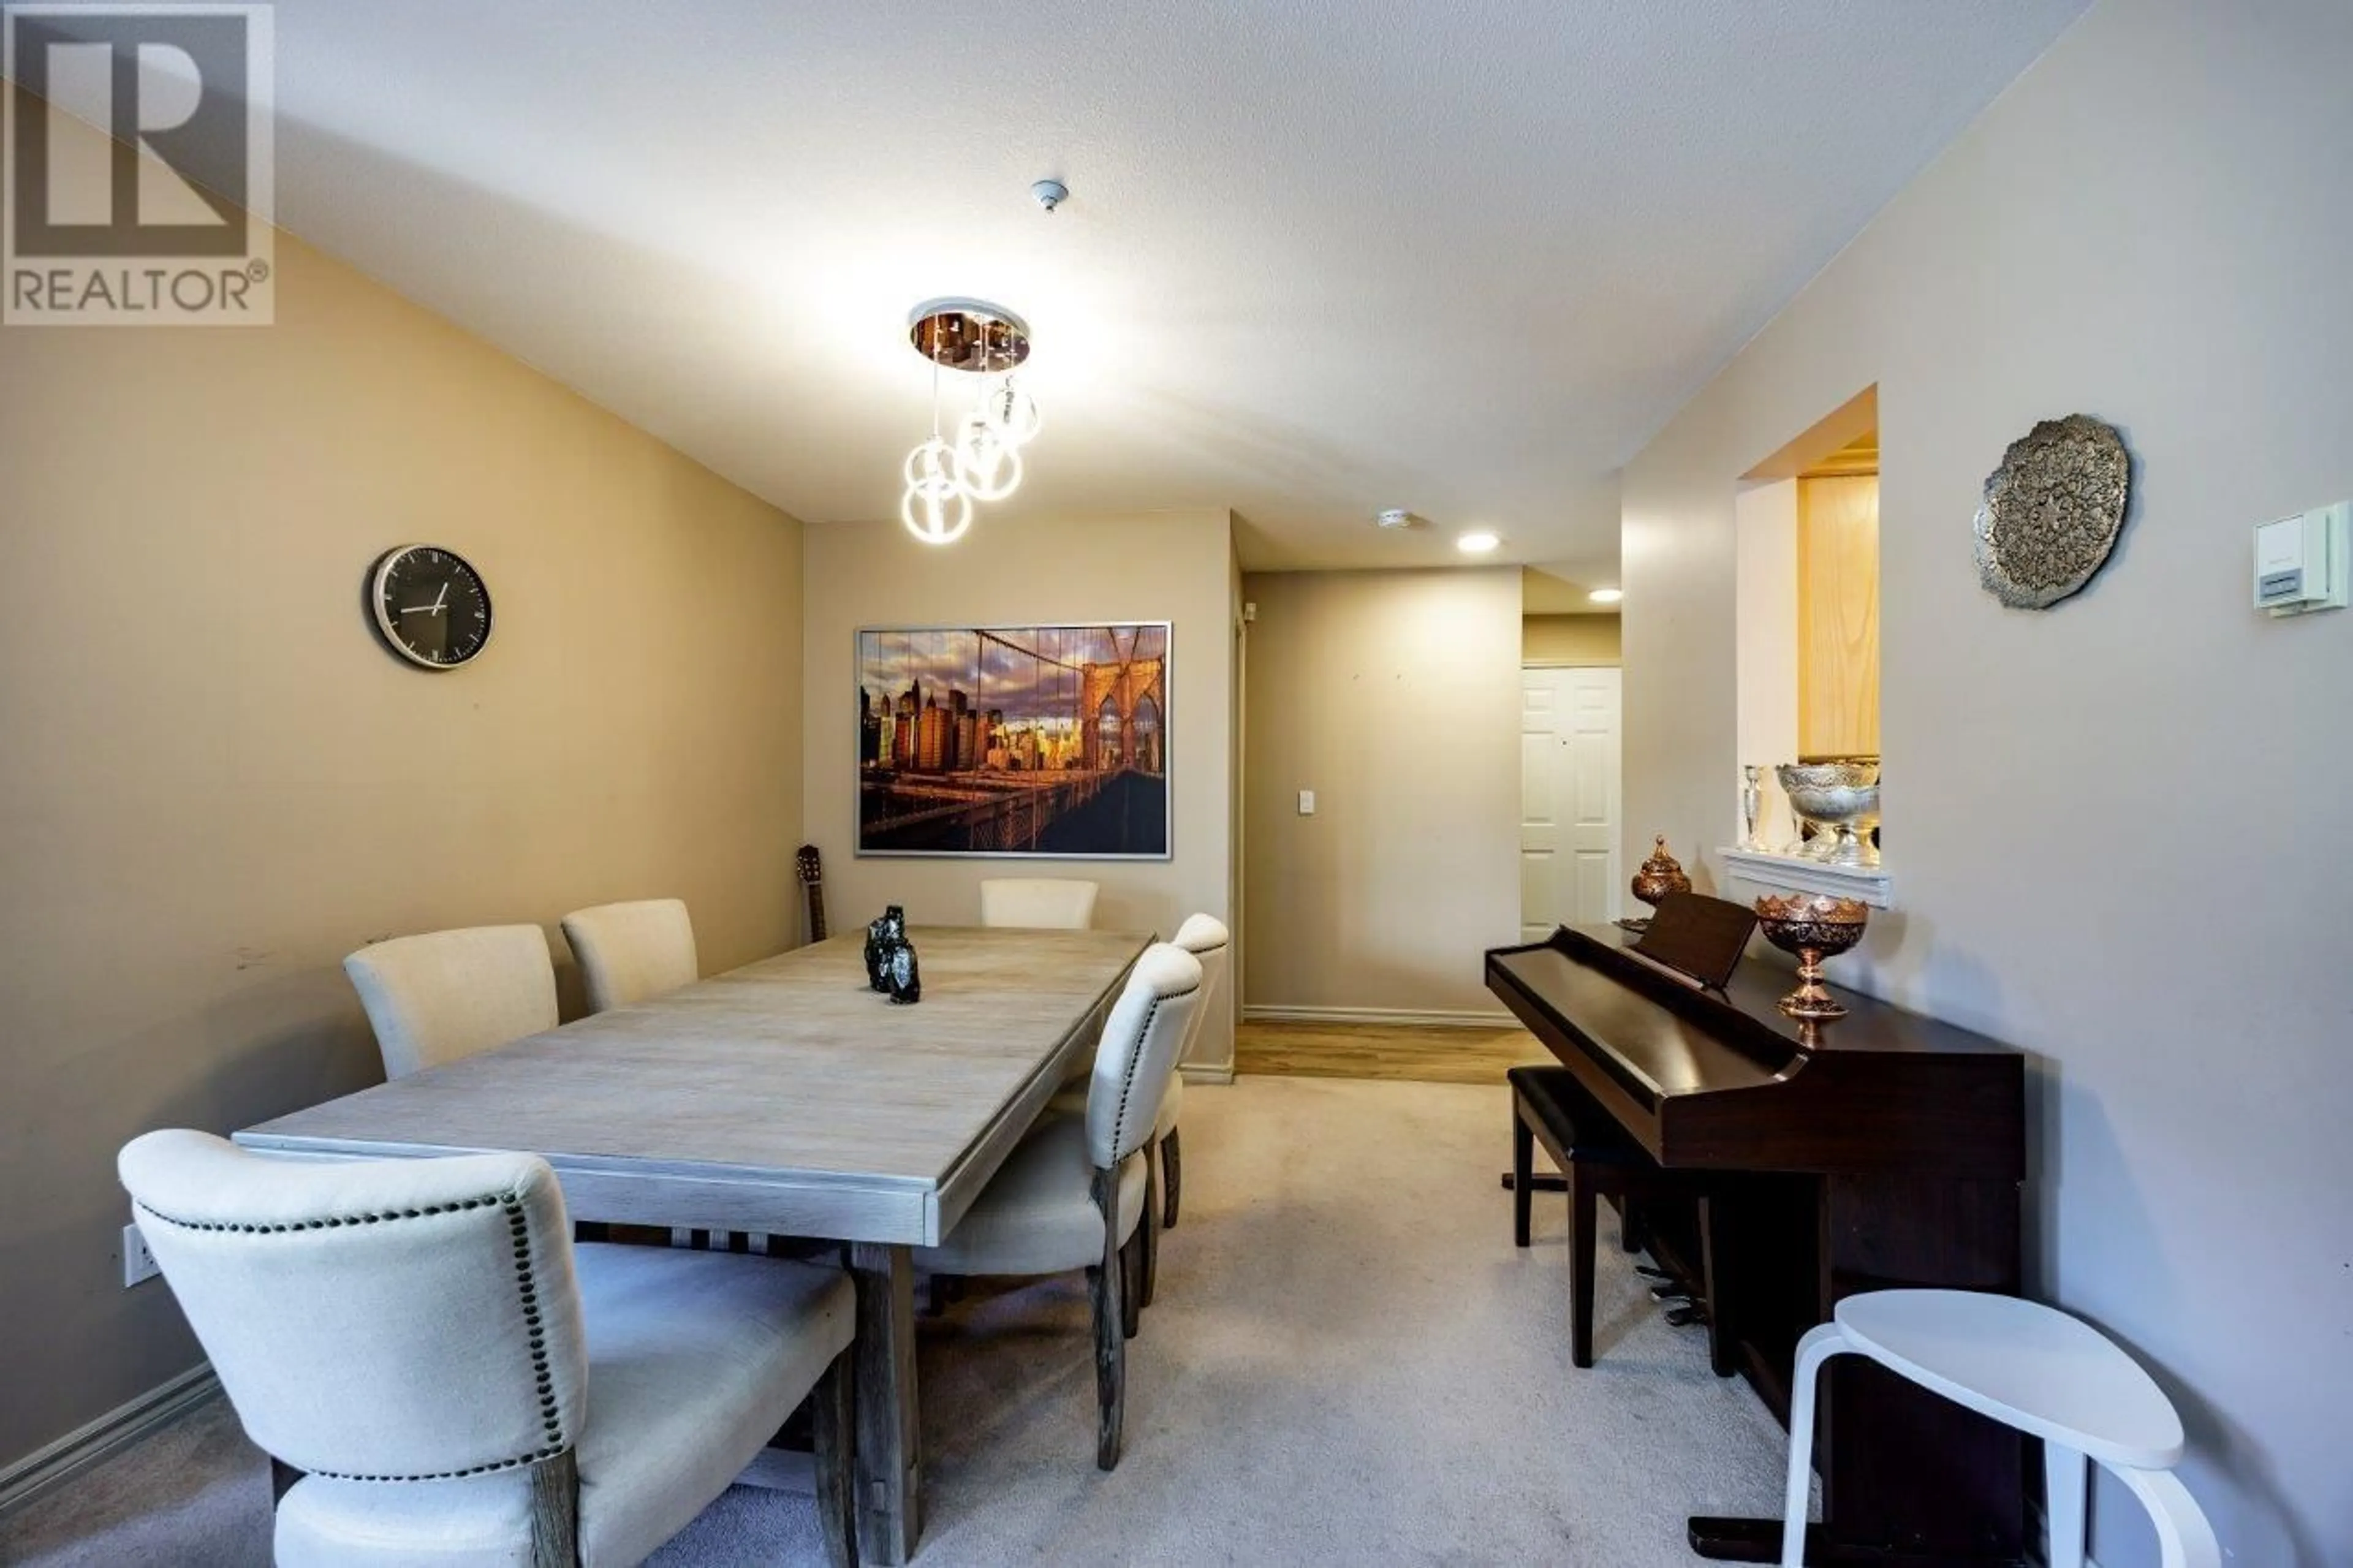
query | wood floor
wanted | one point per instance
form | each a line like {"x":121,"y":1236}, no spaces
{"x":1382,"y":1051}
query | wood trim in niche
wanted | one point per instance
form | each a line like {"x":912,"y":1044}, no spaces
{"x":1859,"y":456}
{"x":1838,"y":616}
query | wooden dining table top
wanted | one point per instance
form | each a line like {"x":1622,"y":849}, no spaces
{"x":786,"y":1096}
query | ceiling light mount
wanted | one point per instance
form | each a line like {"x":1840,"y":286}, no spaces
{"x":1396,"y":517}
{"x":968,"y":335}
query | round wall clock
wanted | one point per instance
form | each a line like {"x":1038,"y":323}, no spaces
{"x":2051,"y":512}
{"x":430,"y":605}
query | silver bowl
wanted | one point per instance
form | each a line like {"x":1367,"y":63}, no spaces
{"x":1841,"y":798}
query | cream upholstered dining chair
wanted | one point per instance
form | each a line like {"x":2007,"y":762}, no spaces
{"x":449,"y":994}
{"x":1048,"y":903}
{"x":1041,"y":904}
{"x":440,"y":1377}
{"x":1205,"y":937}
{"x":629,"y":953}
{"x":633,"y":950}
{"x":1072,"y":1194}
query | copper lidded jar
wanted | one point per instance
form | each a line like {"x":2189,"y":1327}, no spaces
{"x":1660,"y":874}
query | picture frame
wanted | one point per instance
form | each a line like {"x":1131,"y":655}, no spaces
{"x":1043,"y":741}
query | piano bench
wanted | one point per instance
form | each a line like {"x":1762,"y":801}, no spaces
{"x":1596,"y":1157}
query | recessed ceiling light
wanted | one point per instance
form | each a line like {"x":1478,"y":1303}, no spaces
{"x":1478,"y":541}
{"x":1607,"y":595}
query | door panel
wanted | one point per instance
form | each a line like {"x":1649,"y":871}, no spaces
{"x":1539,"y":807}
{"x":1569,"y":725}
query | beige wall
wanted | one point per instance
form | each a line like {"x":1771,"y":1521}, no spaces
{"x":2117,"y":828}
{"x":1394,"y":696}
{"x":1764,"y":531}
{"x":1173,"y":566}
{"x":216,"y":783}
{"x":1569,"y":639}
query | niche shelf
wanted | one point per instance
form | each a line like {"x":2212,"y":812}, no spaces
{"x":1788,"y":873}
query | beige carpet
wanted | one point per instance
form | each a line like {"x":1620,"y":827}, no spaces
{"x":1349,"y":1364}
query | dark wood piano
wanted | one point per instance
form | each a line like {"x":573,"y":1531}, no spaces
{"x":1883,"y":1150}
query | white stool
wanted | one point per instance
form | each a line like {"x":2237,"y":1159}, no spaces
{"x":2049,"y":1375}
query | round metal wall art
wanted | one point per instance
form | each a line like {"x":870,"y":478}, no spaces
{"x":2051,"y":512}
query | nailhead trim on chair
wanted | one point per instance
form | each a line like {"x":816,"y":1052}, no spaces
{"x":1127,"y":1084}
{"x":518,"y":1227}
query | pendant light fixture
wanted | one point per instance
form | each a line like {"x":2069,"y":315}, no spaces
{"x":935,"y":508}
{"x":985,"y":463}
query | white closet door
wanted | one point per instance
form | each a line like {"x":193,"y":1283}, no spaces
{"x":1569,"y":737}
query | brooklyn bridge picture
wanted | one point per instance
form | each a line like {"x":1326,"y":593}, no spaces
{"x":1045,"y":740}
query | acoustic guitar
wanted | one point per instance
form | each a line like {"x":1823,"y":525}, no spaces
{"x":812,"y":875}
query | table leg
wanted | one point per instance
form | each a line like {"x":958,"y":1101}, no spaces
{"x":890,"y":1456}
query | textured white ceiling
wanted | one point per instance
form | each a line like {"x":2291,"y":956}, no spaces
{"x":1318,"y":258}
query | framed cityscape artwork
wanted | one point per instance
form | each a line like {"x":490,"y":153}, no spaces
{"x":1017,"y":741}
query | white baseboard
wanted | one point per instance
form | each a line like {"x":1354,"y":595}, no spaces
{"x":77,"y":1450}
{"x":1406,"y":1018}
{"x":1207,"y":1072}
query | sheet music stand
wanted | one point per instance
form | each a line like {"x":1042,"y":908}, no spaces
{"x":1698,"y":937}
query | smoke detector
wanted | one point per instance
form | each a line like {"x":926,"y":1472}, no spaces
{"x":1395,"y":518}
{"x":1051,"y":194}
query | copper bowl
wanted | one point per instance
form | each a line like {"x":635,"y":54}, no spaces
{"x":1813,"y":926}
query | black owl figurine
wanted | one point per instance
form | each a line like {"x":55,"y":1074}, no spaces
{"x":882,"y":936}
{"x":906,"y":983}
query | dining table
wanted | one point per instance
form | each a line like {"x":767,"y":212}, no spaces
{"x":785,"y":1098}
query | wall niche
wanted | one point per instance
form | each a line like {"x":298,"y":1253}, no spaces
{"x":1807,"y":638}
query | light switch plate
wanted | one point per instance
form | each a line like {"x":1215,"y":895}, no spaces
{"x":1307,"y":803}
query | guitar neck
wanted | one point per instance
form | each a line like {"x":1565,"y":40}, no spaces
{"x":816,"y":912}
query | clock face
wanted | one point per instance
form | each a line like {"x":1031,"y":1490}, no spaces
{"x":430,"y":605}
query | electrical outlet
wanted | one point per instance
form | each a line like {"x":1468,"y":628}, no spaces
{"x":138,"y":1263}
